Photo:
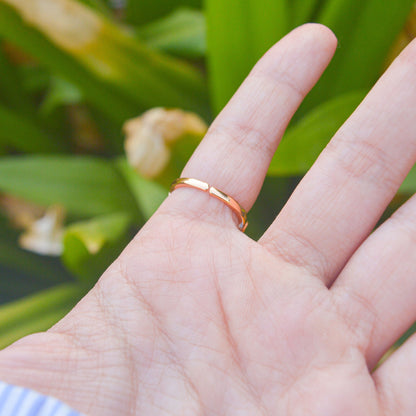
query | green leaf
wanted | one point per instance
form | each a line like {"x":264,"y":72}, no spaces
{"x":85,"y":186}
{"x":409,"y":184}
{"x":372,"y":53}
{"x":144,"y":11}
{"x":181,"y":33}
{"x":97,"y":92}
{"x":99,"y":5}
{"x":30,"y":326}
{"x":35,"y":79}
{"x":21,"y":133}
{"x":12,"y":93}
{"x":61,"y":92}
{"x":149,"y":195}
{"x":35,"y":305}
{"x":238,"y":33}
{"x":303,"y":10}
{"x":15,"y":284}
{"x":303,"y":143}
{"x":405,"y":336}
{"x":103,"y":53}
{"x":181,"y":151}
{"x":37,"y":312}
{"x":91,"y":246}
{"x":366,"y":31}
{"x":20,"y":261}
{"x":341,"y":15}
{"x":23,"y":272}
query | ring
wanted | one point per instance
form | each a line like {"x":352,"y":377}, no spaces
{"x":216,"y":193}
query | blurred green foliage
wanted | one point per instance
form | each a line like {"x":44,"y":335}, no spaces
{"x":63,"y":102}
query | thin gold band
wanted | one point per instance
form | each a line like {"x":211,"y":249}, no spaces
{"x":216,"y":193}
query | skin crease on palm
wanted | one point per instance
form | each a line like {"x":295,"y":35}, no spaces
{"x":195,"y":318}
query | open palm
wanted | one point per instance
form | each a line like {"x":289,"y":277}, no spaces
{"x":195,"y":318}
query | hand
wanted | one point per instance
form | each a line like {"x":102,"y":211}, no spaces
{"x":195,"y":318}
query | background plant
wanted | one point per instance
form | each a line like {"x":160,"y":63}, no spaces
{"x":72,"y":72}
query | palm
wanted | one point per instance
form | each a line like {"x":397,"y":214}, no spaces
{"x":196,"y":318}
{"x":238,"y":336}
{"x":185,"y":342}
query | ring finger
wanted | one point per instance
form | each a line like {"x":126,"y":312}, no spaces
{"x":236,"y":152}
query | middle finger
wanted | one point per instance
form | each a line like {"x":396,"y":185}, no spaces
{"x":341,"y":198}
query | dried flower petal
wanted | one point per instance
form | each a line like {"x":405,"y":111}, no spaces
{"x":172,"y":124}
{"x":149,"y":135}
{"x":66,"y":22}
{"x":44,"y":236}
{"x":20,"y":212}
{"x":145,"y":148}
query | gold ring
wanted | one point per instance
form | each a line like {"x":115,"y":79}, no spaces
{"x":216,"y":193}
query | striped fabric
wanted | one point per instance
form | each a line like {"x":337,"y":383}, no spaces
{"x":18,"y":401}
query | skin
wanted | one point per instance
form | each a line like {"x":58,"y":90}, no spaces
{"x":195,"y":318}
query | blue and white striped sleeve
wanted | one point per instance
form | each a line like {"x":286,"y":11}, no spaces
{"x":19,"y":401}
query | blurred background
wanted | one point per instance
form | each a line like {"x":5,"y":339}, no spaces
{"x":103,"y":101}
